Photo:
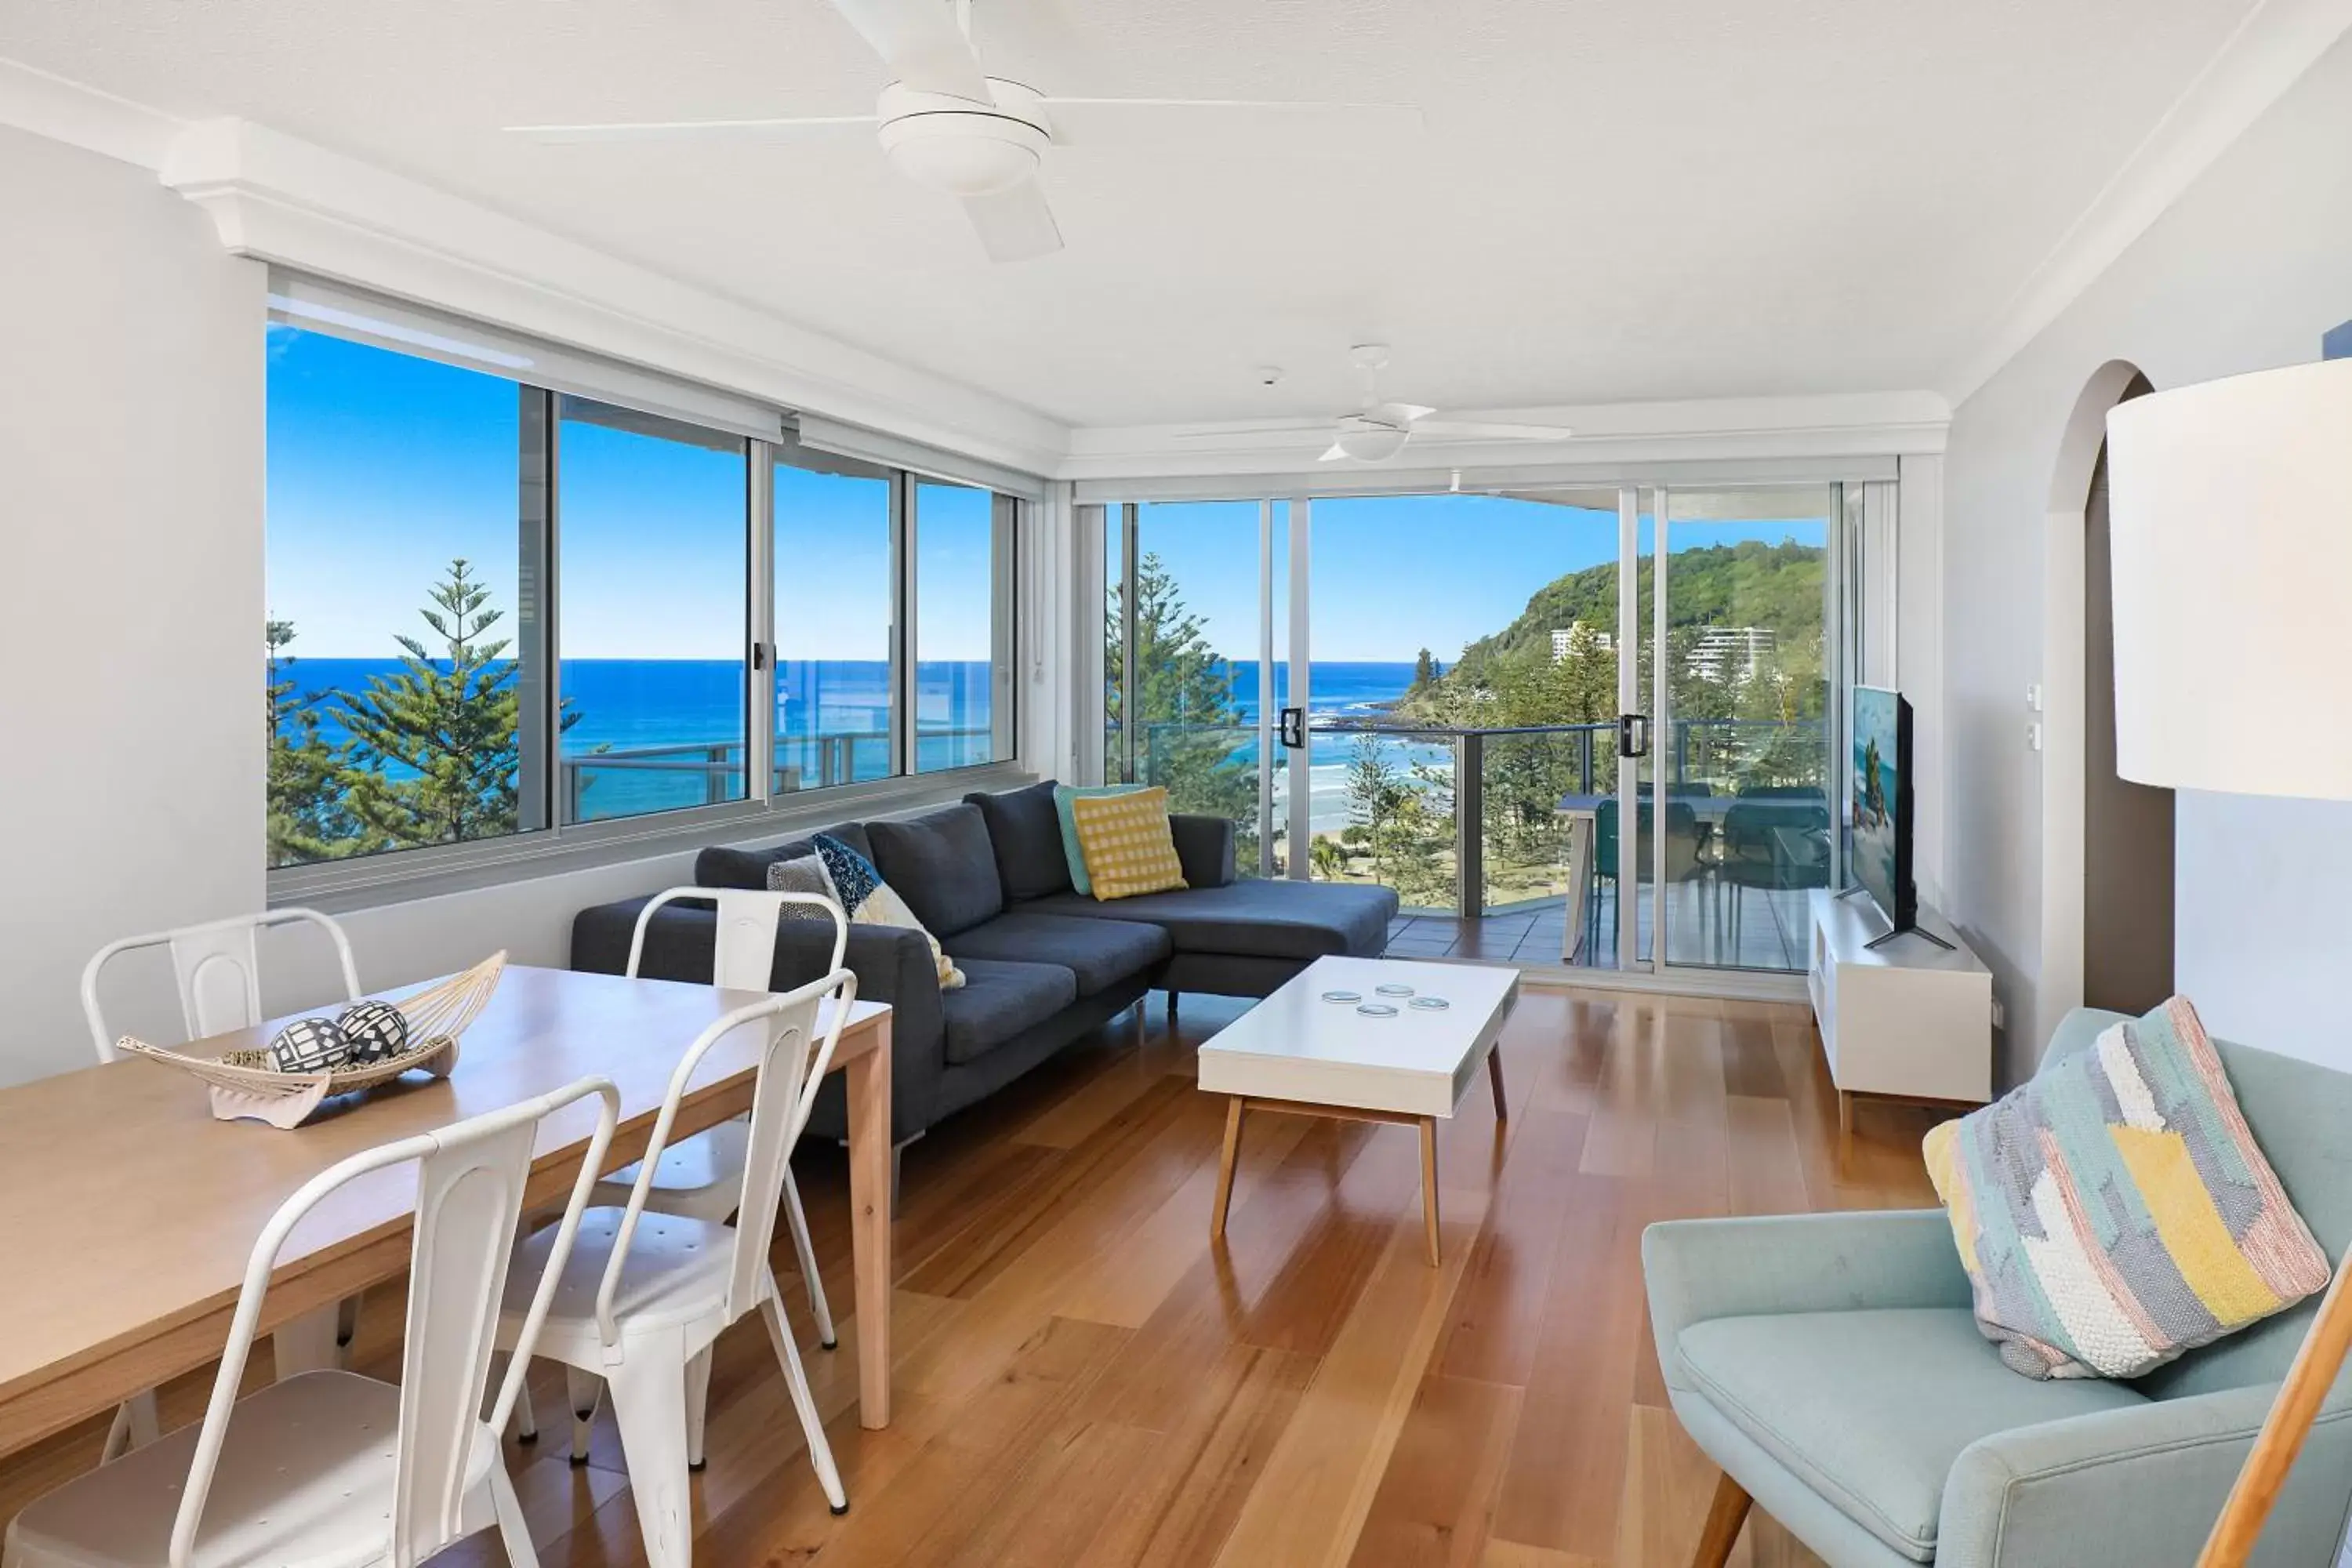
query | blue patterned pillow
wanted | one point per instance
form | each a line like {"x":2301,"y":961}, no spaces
{"x":868,"y":899}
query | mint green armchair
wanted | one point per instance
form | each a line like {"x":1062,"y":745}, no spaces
{"x":1830,"y":1365}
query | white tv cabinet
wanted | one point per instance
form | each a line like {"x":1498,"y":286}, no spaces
{"x":1906,"y":1020}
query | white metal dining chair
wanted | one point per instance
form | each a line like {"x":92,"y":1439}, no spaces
{"x":331,"y":1466}
{"x":645,"y":1294}
{"x":217,"y":969}
{"x":701,"y":1177}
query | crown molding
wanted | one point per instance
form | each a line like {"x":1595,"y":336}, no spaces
{"x":284,"y":200}
{"x":83,"y":116}
{"x":2274,"y":45}
{"x":1610,"y":438}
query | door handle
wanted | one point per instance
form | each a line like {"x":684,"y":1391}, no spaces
{"x":1294,"y":728}
{"x":1633,"y":734}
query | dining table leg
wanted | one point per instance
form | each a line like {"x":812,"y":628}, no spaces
{"x":867,"y":1080}
{"x":307,"y":1343}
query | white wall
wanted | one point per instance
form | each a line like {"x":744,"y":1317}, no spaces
{"x":2244,"y":272}
{"x":131,"y":594}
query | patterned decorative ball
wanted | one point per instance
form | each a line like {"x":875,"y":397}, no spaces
{"x":309,"y":1044}
{"x":374,"y":1030}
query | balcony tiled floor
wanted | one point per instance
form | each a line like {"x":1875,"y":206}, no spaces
{"x":1722,"y":927}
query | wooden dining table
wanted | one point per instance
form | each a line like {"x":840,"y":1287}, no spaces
{"x":129,"y":1213}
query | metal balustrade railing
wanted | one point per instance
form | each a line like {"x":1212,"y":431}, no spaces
{"x":1502,"y":786}
{"x":712,"y":773}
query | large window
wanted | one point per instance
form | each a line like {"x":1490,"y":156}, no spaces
{"x":655,"y":612}
{"x":500,"y":608}
{"x":406,"y":507}
{"x":836,"y":621}
{"x":963,"y":657}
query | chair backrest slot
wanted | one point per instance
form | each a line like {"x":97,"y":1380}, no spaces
{"x":216,"y":967}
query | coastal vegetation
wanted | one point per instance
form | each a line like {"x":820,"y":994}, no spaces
{"x":428,"y":754}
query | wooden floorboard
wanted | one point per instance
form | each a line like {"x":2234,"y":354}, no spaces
{"x":1084,"y":1378}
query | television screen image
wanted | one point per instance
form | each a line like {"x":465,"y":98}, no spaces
{"x":1881,"y":733}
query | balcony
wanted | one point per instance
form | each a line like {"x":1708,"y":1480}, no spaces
{"x":628,"y":781}
{"x":1478,"y":831}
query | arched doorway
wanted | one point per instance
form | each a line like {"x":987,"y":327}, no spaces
{"x":2126,"y":827}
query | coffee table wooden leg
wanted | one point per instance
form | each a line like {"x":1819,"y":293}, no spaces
{"x":1225,"y":1166}
{"x":1495,"y":1077}
{"x":1429,"y":1183}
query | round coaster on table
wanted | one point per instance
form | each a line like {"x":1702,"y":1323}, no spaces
{"x":1394,"y":988}
{"x":1343,"y":996}
{"x":1431,"y":1004}
{"x":1377,"y":1010}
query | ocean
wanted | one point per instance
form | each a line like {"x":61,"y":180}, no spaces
{"x":833,"y":719}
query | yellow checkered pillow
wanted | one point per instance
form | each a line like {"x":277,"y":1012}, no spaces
{"x":1126,"y":843}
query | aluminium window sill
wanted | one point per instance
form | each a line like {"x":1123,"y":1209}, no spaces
{"x":341,"y":887}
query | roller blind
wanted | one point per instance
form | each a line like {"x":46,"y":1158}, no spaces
{"x":320,"y":307}
{"x":896,"y":452}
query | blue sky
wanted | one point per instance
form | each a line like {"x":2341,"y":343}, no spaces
{"x":1391,"y":575}
{"x":383,"y":467}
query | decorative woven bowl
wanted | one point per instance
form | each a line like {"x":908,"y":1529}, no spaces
{"x":245,"y":1084}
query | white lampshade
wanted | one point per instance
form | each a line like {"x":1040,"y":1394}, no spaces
{"x":2231,"y":525}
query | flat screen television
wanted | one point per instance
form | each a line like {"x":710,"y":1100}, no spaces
{"x":1883,"y":812}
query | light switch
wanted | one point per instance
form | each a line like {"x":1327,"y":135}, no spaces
{"x":2033,"y":737}
{"x":2033,"y":699}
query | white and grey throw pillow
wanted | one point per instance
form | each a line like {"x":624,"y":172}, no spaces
{"x":804,"y":874}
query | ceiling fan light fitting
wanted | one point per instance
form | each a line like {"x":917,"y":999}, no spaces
{"x":1369,"y":443}
{"x":965,"y":154}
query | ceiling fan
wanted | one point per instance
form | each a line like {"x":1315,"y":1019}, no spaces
{"x":948,"y":125}
{"x":1378,"y":431}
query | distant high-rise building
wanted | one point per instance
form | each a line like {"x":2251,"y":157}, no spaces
{"x":1561,"y":636}
{"x":1730,"y":653}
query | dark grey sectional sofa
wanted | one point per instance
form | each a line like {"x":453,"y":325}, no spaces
{"x":1044,"y":964}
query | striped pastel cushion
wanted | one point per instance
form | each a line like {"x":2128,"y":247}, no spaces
{"x":1128,"y":846}
{"x":2115,"y":1212}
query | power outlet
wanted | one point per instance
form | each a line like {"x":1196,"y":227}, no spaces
{"x":2000,"y":1014}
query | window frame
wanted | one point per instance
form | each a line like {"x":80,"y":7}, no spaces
{"x":542,"y":841}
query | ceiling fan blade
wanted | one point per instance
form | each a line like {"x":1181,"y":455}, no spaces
{"x":1473,"y":430}
{"x":1400,"y":412}
{"x":1257,"y":128}
{"x":918,"y":39}
{"x":1335,"y":454}
{"x":691,"y":129}
{"x":1015,"y":224}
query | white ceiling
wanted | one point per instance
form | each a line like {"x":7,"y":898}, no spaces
{"x":1617,"y":200}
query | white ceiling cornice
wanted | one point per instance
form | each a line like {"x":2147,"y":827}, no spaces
{"x":1608,"y":436}
{"x":83,"y":116}
{"x":285,"y":200}
{"x":2277,"y":42}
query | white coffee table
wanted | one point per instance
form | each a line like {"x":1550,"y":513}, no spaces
{"x":1298,"y":1053}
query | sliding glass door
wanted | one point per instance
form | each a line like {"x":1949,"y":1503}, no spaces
{"x":1193,"y":686}
{"x":1586,"y":727}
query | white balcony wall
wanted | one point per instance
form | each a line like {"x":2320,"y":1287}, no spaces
{"x":2245,"y":272}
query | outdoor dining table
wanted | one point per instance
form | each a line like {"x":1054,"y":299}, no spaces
{"x":130,"y":1212}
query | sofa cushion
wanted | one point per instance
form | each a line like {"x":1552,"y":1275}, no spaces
{"x":1073,"y":858}
{"x":1101,"y":953}
{"x":1128,"y":848}
{"x":1269,"y":918}
{"x":1933,"y":1386}
{"x":727,"y":865}
{"x":999,"y":1000}
{"x":941,"y":863}
{"x":1026,"y":833}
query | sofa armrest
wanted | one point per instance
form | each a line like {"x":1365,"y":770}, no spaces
{"x":892,"y":964}
{"x":1205,"y":846}
{"x":1699,"y":1269}
{"x":2138,"y":1485}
